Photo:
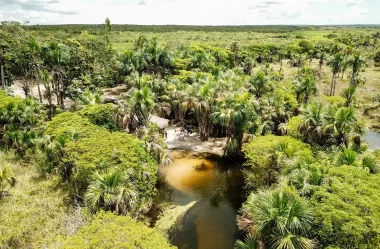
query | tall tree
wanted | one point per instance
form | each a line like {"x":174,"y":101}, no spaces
{"x":107,"y":33}
{"x":335,"y":64}
{"x":234,"y":47}
{"x":357,"y":62}
{"x":35,"y":49}
{"x":2,"y":64}
{"x":342,"y":124}
{"x":232,"y":114}
{"x":46,"y":79}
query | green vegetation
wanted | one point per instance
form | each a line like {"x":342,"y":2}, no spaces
{"x":94,"y":149}
{"x":281,"y":219}
{"x":107,"y":230}
{"x":302,"y":96}
{"x":33,"y":211}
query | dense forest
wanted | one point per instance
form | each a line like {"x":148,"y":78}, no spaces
{"x":80,"y":169}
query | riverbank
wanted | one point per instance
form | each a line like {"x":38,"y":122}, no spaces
{"x":193,"y":143}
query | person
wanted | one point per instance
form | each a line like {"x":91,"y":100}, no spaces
{"x":200,"y":167}
{"x":182,"y":137}
{"x":186,"y":133}
{"x":166,"y":135}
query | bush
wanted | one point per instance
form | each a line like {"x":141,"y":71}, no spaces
{"x":293,"y":125}
{"x":377,"y":57}
{"x":107,"y":230}
{"x":5,"y":99}
{"x":266,"y":156}
{"x":334,"y":100}
{"x":345,"y":209}
{"x":96,"y":149}
{"x":101,"y":115}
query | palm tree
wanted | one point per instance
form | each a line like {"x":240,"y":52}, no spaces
{"x":322,"y":57}
{"x":6,"y":181}
{"x":88,"y":98}
{"x":35,"y":49}
{"x":25,"y":114}
{"x":306,"y":87}
{"x":19,"y":140}
{"x":111,"y":191}
{"x":177,"y":96}
{"x":349,"y":94}
{"x":232,"y":115}
{"x":234,"y":47}
{"x":280,"y":220}
{"x":107,"y":32}
{"x":159,"y":60}
{"x":347,"y":157}
{"x":154,"y":144}
{"x":141,"y":106}
{"x":370,"y":163}
{"x":46,"y":79}
{"x":260,"y":84}
{"x":312,"y":123}
{"x":249,"y":63}
{"x":53,"y":148}
{"x":249,"y":243}
{"x":357,"y":62}
{"x":57,"y":57}
{"x":342,"y":124}
{"x":344,"y":66}
{"x":336,"y":64}
{"x":3,"y":58}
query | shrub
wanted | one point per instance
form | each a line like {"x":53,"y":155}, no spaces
{"x":347,"y":157}
{"x":101,"y":115}
{"x":293,"y":126}
{"x":97,"y":149}
{"x":345,"y":209}
{"x":334,"y":100}
{"x":267,"y":155}
{"x":107,"y":230}
{"x":5,"y":99}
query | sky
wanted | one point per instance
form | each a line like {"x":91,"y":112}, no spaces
{"x":192,"y":12}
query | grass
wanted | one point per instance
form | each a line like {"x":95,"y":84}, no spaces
{"x":174,"y":36}
{"x":34,"y":211}
{"x":169,"y":217}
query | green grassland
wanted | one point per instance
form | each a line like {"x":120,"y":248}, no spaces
{"x":124,"y":36}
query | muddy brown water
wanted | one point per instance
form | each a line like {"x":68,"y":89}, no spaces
{"x":217,"y":190}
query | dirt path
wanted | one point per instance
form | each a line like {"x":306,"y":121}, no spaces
{"x":193,"y":143}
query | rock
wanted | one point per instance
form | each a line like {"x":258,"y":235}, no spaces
{"x":108,"y":100}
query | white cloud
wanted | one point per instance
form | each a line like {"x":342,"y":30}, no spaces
{"x":353,"y":2}
{"x":353,"y":12}
{"x":192,"y":12}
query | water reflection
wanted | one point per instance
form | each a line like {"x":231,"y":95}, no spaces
{"x":372,"y":138}
{"x":216,"y":188}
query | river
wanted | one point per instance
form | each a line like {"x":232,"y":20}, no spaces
{"x":372,"y":138}
{"x":217,"y":191}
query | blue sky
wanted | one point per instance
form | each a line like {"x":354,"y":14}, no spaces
{"x":192,"y":12}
